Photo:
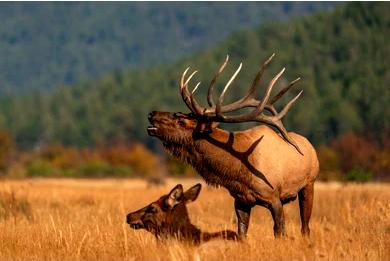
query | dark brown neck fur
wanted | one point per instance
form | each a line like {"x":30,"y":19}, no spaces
{"x":214,"y":158}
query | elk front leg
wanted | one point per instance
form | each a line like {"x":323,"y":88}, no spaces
{"x":278,"y":217}
{"x":243,"y":213}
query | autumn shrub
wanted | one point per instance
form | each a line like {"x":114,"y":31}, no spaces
{"x":136,"y":157}
{"x":143,"y":161}
{"x":89,"y":154}
{"x":359,"y":175}
{"x":362,"y":158}
{"x":381,"y":164}
{"x":40,"y":168}
{"x":16,"y":170}
{"x":118,"y":155}
{"x":117,"y":160}
{"x":354,"y":151}
{"x":100,"y":168}
{"x":95,"y":169}
{"x":329,"y":163}
{"x":122,"y":171}
{"x":60,"y":156}
{"x":72,"y":162}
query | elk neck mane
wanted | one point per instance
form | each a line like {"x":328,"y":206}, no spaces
{"x":204,"y":153}
{"x":181,"y":150}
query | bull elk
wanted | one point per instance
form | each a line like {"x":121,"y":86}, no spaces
{"x":168,"y":217}
{"x":259,"y":166}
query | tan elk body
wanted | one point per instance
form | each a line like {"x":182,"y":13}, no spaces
{"x":168,"y":217}
{"x":273,"y":161}
{"x":257,"y":166}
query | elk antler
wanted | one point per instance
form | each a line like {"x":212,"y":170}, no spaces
{"x":216,"y":110}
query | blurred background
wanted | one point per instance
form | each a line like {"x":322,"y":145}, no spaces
{"x":77,"y":80}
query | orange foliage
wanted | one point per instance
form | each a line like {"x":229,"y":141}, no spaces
{"x":137,"y":157}
{"x":61,"y":157}
{"x":118,"y":155}
{"x":347,"y":153}
{"x":354,"y":151}
{"x":143,"y":161}
{"x":329,"y":163}
{"x":357,"y":151}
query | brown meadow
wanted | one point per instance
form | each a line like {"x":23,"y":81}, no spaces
{"x":55,"y":219}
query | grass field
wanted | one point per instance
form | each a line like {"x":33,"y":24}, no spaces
{"x":52,"y":219}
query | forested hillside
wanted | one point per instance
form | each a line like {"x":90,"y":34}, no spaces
{"x":342,"y":58}
{"x":43,"y":45}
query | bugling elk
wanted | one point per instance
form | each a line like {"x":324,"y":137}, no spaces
{"x":259,"y":166}
{"x":168,"y":217}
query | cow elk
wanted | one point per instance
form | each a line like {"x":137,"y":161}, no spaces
{"x":168,"y":218}
{"x":259,"y":166}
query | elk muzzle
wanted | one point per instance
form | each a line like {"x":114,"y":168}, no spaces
{"x":161,"y":123}
{"x":151,"y":129}
{"x":134,"y":221}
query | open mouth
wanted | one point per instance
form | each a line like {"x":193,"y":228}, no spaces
{"x":136,"y":225}
{"x":152,"y":130}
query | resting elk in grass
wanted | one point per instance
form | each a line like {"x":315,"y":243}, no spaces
{"x":168,"y":217}
{"x":259,"y":166}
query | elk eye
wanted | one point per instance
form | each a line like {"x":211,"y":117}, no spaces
{"x":151,"y":209}
{"x":182,"y":123}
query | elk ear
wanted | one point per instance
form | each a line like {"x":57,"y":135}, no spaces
{"x":175,"y":196}
{"x":192,"y":193}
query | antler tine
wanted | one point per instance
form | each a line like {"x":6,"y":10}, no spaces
{"x":248,"y":100}
{"x":221,"y":97}
{"x":189,"y":78}
{"x":283,"y":91}
{"x":256,"y":81}
{"x":278,"y":125}
{"x":271,"y":84}
{"x":259,"y":108}
{"x":185,"y":94}
{"x":211,"y":86}
{"x":283,"y":112}
{"x":195,"y":88}
{"x":269,"y":107}
{"x":263,"y":104}
{"x":197,"y":108}
{"x":182,"y":77}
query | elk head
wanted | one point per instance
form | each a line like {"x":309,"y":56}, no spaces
{"x":168,"y":214}
{"x":181,"y":129}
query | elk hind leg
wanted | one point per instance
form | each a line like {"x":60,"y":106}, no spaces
{"x":305,"y":196}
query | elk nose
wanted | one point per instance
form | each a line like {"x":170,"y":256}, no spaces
{"x":128,"y":219}
{"x":150,"y":115}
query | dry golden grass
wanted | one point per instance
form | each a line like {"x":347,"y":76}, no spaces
{"x":85,"y":219}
